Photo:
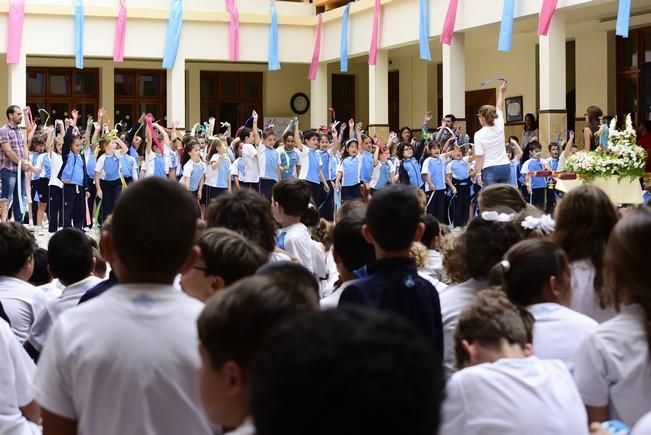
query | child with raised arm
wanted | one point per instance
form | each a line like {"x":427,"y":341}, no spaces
{"x":349,"y":180}
{"x":536,"y":185}
{"x":73,"y":175}
{"x":55,"y":186}
{"x":457,"y":176}
{"x":268,"y":160}
{"x":217,"y":172}
{"x":433,"y":173}
{"x":193,"y":173}
{"x":312,"y":169}
{"x":107,"y":173}
{"x":251,"y":176}
{"x":383,"y":170}
{"x":155,"y":165}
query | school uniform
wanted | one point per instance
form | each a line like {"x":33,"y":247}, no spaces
{"x":156,"y":165}
{"x":288,"y":161}
{"x":36,"y":160}
{"x":551,"y":189}
{"x":460,"y":176}
{"x":393,"y":285}
{"x":91,"y":163}
{"x":16,"y":375}
{"x":194,"y":171}
{"x":129,"y":169}
{"x":381,"y":176}
{"x":350,"y":169}
{"x":367,"y":166}
{"x":268,"y":163}
{"x":237,"y":169}
{"x":55,"y":194}
{"x":311,"y":167}
{"x":538,"y":184}
{"x":513,"y":177}
{"x":296,"y":240}
{"x":103,"y":351}
{"x":22,"y":303}
{"x":109,"y":169}
{"x":554,"y":324}
{"x":584,"y":296}
{"x":327,"y":207}
{"x":513,"y":396}
{"x":613,"y":367}
{"x":251,"y":176}
{"x":74,"y":177}
{"x":216,"y":179}
{"x":332,"y":299}
{"x":409,"y":173}
{"x":434,"y":167}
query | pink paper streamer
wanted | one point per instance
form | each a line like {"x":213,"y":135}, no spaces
{"x":448,"y":24}
{"x":234,"y":30}
{"x":314,"y":66}
{"x":120,"y":32}
{"x":15,"y":30}
{"x":154,"y":136}
{"x":546,"y":14}
{"x":375,"y":34}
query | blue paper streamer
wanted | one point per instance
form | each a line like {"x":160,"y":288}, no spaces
{"x":506,"y":28}
{"x":423,"y":28}
{"x":343,"y":50}
{"x":623,"y":18}
{"x":79,"y":34}
{"x":274,"y":62}
{"x":173,"y":36}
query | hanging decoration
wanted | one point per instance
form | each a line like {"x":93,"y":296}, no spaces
{"x":423,"y":28}
{"x":448,"y":24}
{"x":623,"y":18}
{"x":274,"y":62}
{"x":314,"y":66}
{"x":173,"y":36}
{"x":234,"y":31}
{"x":120,"y":32}
{"x":546,"y":14}
{"x":343,"y":49}
{"x":375,"y":34}
{"x":79,"y":34}
{"x":15,"y":30}
{"x":506,"y":28}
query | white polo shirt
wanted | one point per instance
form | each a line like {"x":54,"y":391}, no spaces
{"x":16,"y":373}
{"x":296,"y":240}
{"x":554,"y":326}
{"x":612,"y":368}
{"x":126,"y":363}
{"x":513,"y":396}
{"x":22,"y":302}
{"x":489,"y":142}
{"x":251,"y":168}
{"x":584,"y":297}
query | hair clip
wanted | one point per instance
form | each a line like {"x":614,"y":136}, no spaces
{"x":493,"y":216}
{"x":546,"y":223}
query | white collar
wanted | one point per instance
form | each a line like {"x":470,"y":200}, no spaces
{"x":246,"y":428}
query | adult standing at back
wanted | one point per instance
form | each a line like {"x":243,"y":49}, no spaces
{"x":593,"y":116}
{"x":14,"y":152}
{"x":492,"y":164}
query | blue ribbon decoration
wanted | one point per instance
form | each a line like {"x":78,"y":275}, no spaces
{"x":173,"y":36}
{"x":623,"y":18}
{"x":79,"y":34}
{"x":506,"y":28}
{"x":423,"y":28}
{"x":274,"y":63}
{"x":343,"y":50}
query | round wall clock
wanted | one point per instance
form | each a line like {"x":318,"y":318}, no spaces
{"x":299,"y":103}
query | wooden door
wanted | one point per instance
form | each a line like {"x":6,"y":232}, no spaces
{"x":343,"y":97}
{"x":394,"y":101}
{"x":474,"y":100}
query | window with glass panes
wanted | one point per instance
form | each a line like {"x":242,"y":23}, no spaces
{"x":231,"y":97}
{"x":634,"y":74}
{"x":140,"y":91}
{"x":59,"y":90}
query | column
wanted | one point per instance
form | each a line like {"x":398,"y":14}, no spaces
{"x":194,"y":97}
{"x":176,"y":93}
{"x":553,"y":116}
{"x":107,"y":93}
{"x":378,"y":97}
{"x":17,"y":82}
{"x":319,"y":97}
{"x":592,"y":69}
{"x":421,"y":90}
{"x":454,"y":80}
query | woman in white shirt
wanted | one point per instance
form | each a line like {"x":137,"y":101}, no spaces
{"x":492,"y":163}
{"x":613,"y":367}
{"x":584,"y":219}
{"x":535,"y":275}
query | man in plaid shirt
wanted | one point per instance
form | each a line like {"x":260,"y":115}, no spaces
{"x":14,"y":152}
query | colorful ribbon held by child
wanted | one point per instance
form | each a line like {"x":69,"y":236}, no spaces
{"x":154,"y":135}
{"x":497,"y":79}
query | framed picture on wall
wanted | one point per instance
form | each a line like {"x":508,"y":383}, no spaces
{"x":514,"y":109}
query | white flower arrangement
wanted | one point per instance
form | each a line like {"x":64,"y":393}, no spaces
{"x":622,"y":157}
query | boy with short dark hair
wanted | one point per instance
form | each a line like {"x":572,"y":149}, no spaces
{"x":393,"y":284}
{"x":22,"y":301}
{"x":224,"y":257}
{"x":500,"y":388}
{"x":135,"y":347}
{"x":291,"y":274}
{"x":232,"y":327}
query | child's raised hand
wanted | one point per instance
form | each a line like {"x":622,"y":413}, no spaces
{"x":571,"y":135}
{"x":505,"y":86}
{"x":255,"y":116}
{"x":351,"y":123}
{"x":428,"y":116}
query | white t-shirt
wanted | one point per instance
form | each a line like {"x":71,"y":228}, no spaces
{"x":332,"y":300}
{"x":23,"y":304}
{"x":319,"y":266}
{"x":453,"y":300}
{"x":52,"y":289}
{"x":489,"y":142}
{"x":554,"y":326}
{"x":513,"y":396}
{"x":643,"y":426}
{"x":133,"y":350}
{"x":251,"y":169}
{"x":16,"y":374}
{"x":69,"y":298}
{"x":56,"y":162}
{"x":612,"y":368}
{"x":297,"y":242}
{"x":584,"y":297}
{"x":211,"y":174}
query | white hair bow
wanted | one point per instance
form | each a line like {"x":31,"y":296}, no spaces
{"x":494,"y":216}
{"x":546,"y":223}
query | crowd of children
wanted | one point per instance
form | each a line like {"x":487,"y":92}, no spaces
{"x":364,"y":306}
